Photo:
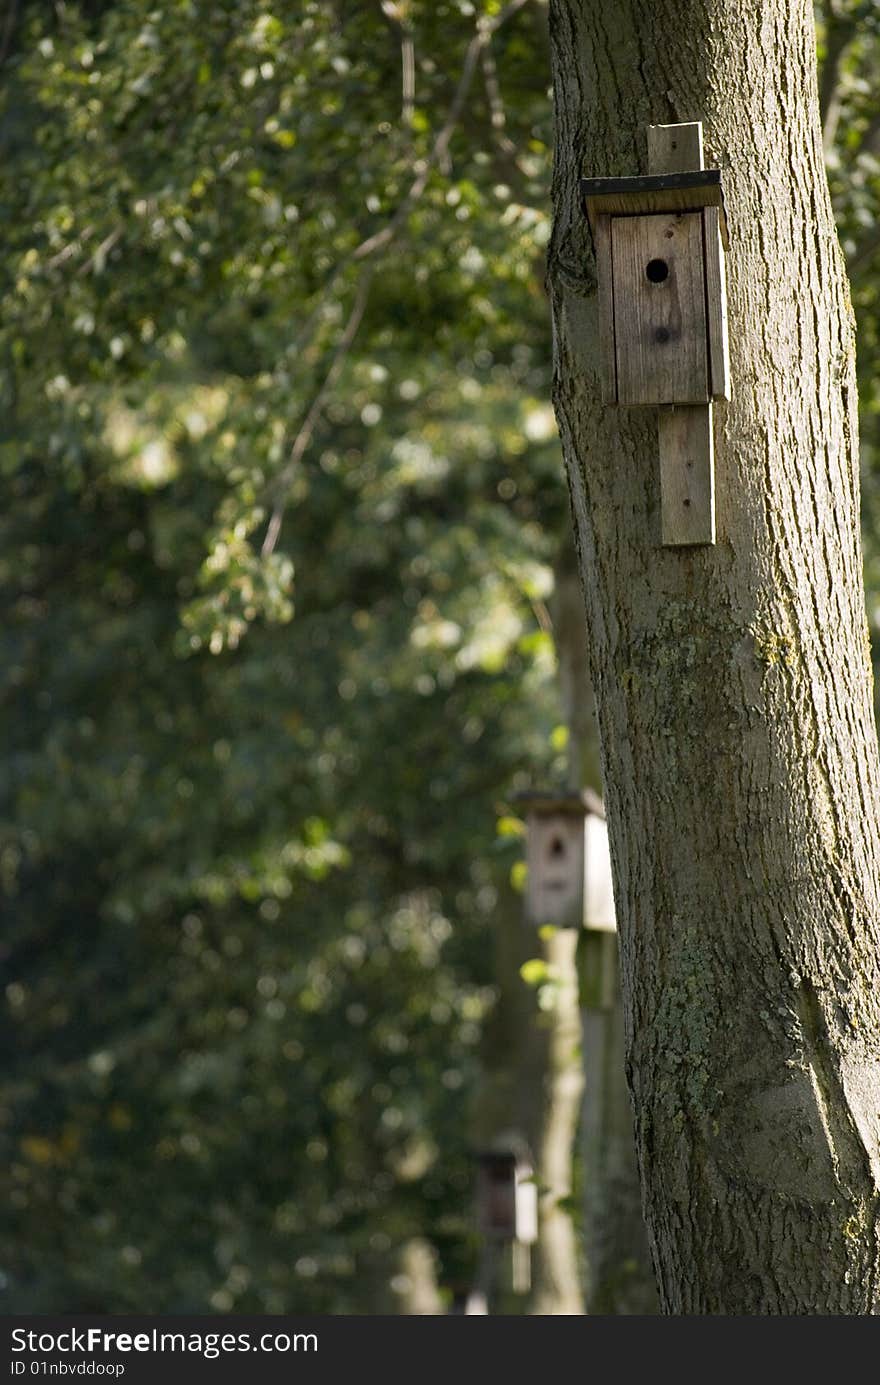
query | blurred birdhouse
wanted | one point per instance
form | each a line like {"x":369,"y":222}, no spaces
{"x":507,"y":1196}
{"x":569,"y":866}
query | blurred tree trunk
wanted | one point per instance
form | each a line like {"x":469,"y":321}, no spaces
{"x":530,"y":1095}
{"x":403,"y":1281}
{"x":557,"y":1079}
{"x":413,"y":1284}
{"x":733,"y":683}
{"x":619,"y":1277}
{"x":557,"y":1262}
{"x":500,"y":1117}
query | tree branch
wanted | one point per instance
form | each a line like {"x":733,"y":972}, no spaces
{"x":307,"y":428}
{"x":73,"y":248}
{"x":96,"y":261}
{"x":440,"y":148}
{"x":438,"y":154}
{"x":497,"y":114}
{"x":371,"y":246}
{"x":407,"y":58}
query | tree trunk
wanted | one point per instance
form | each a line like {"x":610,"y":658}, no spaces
{"x":557,"y":1032}
{"x":619,"y":1278}
{"x":403,"y":1282}
{"x":733,"y":682}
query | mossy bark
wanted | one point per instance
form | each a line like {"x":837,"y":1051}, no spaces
{"x":733,"y":682}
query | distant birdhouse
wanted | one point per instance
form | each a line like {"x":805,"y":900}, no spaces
{"x":662,"y":306}
{"x":507,"y":1197}
{"x":569,"y":866}
{"x":468,"y":1302}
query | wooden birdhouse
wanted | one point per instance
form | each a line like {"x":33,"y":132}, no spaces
{"x":507,"y":1196}
{"x":660,"y":265}
{"x":568,"y":865}
{"x":660,"y":242}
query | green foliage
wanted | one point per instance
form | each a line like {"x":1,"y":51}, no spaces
{"x":849,"y":46}
{"x":282,"y":502}
{"x":248,"y":804}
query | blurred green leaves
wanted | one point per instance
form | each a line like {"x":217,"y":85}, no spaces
{"x":255,"y":806}
{"x":247,"y":813}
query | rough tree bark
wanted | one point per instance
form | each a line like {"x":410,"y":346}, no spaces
{"x":733,"y":682}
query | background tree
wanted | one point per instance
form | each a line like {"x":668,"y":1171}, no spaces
{"x":262,"y":267}
{"x":250,"y":862}
{"x":217,"y":384}
{"x":733,"y":685}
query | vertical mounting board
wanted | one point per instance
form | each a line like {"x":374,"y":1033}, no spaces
{"x":687,"y":467}
{"x":675,"y":148}
{"x":687,"y":476}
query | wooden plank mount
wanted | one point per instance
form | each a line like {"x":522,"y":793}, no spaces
{"x":660,"y":243}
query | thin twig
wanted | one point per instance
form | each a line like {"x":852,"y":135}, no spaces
{"x":307,"y":428}
{"x":507,"y":151}
{"x":67,"y":252}
{"x":371,"y":246}
{"x":542,"y":614}
{"x":497,"y":115}
{"x":440,"y":147}
{"x":404,"y":34}
{"x":408,"y":78}
{"x":436,"y":158}
{"x":101,"y":252}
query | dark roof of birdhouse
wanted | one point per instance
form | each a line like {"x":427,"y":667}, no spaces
{"x":505,"y":1143}
{"x":553,"y":803}
{"x":656,"y":192}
